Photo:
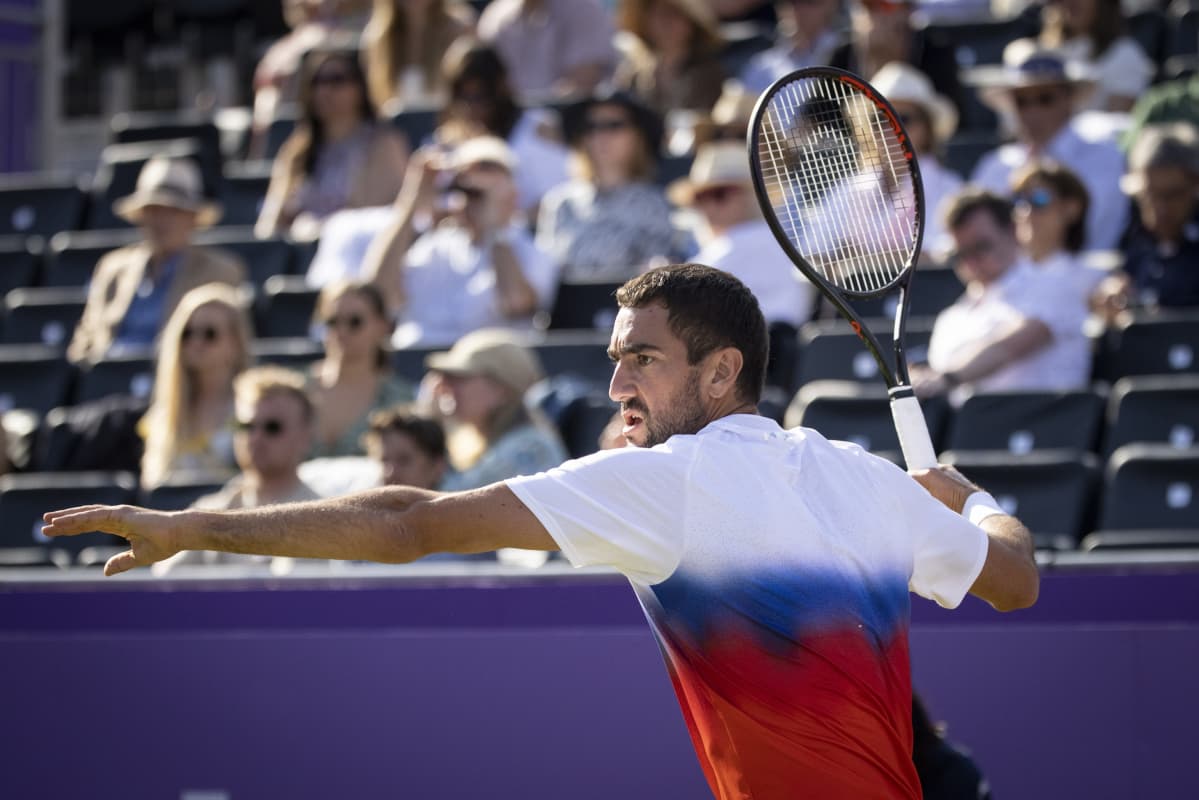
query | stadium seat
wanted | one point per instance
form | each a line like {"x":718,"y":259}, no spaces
{"x":243,"y":191}
{"x":294,"y":353}
{"x":576,"y":409}
{"x":1154,"y":410}
{"x":264,"y":258}
{"x":830,"y":350}
{"x":1141,"y":540}
{"x":965,"y":149}
{"x":583,"y":355}
{"x":1149,"y":27}
{"x":1052,"y":492}
{"x":181,"y":490}
{"x":672,"y":168}
{"x":39,"y":205}
{"x":284,"y":307}
{"x":42,"y":316}
{"x":1020,"y":422}
{"x":1183,"y":23}
{"x":71,"y":258}
{"x":936,"y":288}
{"x":161,"y":126}
{"x":34,"y":377}
{"x":742,"y":41}
{"x":586,"y":305}
{"x":120,"y":164}
{"x":19,"y":260}
{"x":99,"y":435}
{"x":409,"y":362}
{"x":417,"y":124}
{"x":24,"y":498}
{"x":1151,"y":487}
{"x":982,"y":42}
{"x":1162,"y":344}
{"x":853,"y":412}
{"x":280,"y":128}
{"x":131,"y":374}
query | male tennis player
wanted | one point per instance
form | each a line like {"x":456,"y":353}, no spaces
{"x":774,"y":565}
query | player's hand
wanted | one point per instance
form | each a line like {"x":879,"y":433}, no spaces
{"x":152,"y":535}
{"x":947,"y":485}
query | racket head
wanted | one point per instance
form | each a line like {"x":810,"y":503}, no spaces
{"x":838,"y":181}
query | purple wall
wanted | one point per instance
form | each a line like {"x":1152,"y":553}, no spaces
{"x":19,"y":84}
{"x":536,"y":688}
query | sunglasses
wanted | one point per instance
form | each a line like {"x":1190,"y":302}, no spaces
{"x":715,"y":194}
{"x":269,"y":427}
{"x":352,"y":321}
{"x":1037,"y":199}
{"x":983,"y":248}
{"x":605,"y":125}
{"x":331,"y":79}
{"x":207,"y":333}
{"x":1037,"y":99}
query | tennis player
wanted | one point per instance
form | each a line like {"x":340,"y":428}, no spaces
{"x":774,"y":566}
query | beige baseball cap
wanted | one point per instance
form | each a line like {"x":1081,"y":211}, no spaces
{"x":494,"y":352}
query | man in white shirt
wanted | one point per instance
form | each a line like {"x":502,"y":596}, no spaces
{"x":477,"y":267}
{"x":1041,"y":93}
{"x":774,"y":566}
{"x":807,"y":37}
{"x":1016,"y":326}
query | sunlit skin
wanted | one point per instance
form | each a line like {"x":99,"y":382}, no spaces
{"x":204,"y":357}
{"x":659,"y":392}
{"x":350,"y":342}
{"x":985,"y":249}
{"x":1167,"y":202}
{"x":611,"y":151}
{"x":166,"y":230}
{"x":1041,"y":112}
{"x":1042,"y":231}
{"x":336,"y":98}
{"x":473,"y":399}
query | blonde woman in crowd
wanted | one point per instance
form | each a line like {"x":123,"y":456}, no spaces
{"x":403,"y":45}
{"x":189,"y":425}
{"x":355,"y":377}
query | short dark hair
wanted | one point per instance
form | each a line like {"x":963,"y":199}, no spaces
{"x":425,"y":431}
{"x":707,"y":309}
{"x":969,"y":202}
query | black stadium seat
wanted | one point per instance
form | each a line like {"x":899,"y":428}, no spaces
{"x":180,"y":490}
{"x":853,"y":412}
{"x":982,"y":42}
{"x":1052,"y":492}
{"x":42,"y":316}
{"x":1184,"y":28}
{"x":584,"y":306}
{"x":293,"y":353}
{"x":24,"y":498}
{"x":161,"y":126}
{"x":34,"y":377}
{"x":243,"y":191}
{"x":263,"y":258}
{"x":829,"y":350}
{"x":131,"y":374}
{"x":582,"y":355}
{"x":39,"y":205}
{"x":1151,"y":487}
{"x":284,"y":307}
{"x":1020,"y":422}
{"x":1164,"y":344}
{"x":417,"y":124}
{"x":71,"y":258}
{"x":409,"y":362}
{"x":19,"y":261}
{"x":1154,"y":410}
{"x":120,"y":164}
{"x":935,"y":289}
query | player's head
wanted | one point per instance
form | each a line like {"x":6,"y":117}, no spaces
{"x":689,"y":345}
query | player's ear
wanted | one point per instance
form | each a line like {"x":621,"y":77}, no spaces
{"x":726,"y":364}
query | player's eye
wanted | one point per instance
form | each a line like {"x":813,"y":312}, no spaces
{"x":643,"y":360}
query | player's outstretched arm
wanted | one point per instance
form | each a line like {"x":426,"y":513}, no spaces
{"x":1009,"y":579}
{"x":391,"y":525}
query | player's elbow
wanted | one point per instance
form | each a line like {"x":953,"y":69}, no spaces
{"x":1021,"y":591}
{"x":403,"y":542}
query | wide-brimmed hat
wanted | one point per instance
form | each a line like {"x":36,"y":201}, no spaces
{"x":1169,"y":145}
{"x":698,"y":11}
{"x":170,"y":182}
{"x":899,"y":82}
{"x":1026,"y":65}
{"x":574,"y":116}
{"x":493,"y":352}
{"x":483,"y":150}
{"x":715,"y":164}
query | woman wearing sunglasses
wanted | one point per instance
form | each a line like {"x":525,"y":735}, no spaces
{"x":355,"y":377}
{"x":189,"y":425}
{"x":1050,"y":214}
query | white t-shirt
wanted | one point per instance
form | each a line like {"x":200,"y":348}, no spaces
{"x":1123,"y":70}
{"x":750,"y":252}
{"x":774,"y":567}
{"x":1023,"y":292}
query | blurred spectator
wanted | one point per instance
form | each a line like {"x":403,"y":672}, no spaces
{"x":403,"y":45}
{"x":1161,"y":250}
{"x":355,"y":377}
{"x":481,"y":102}
{"x":612,"y":221}
{"x":1015,"y":327}
{"x":1040,"y":92}
{"x":744,"y":10}
{"x":730,"y":115}
{"x":946,"y":772}
{"x":476,"y":266}
{"x":1050,"y":213}
{"x":409,"y":447}
{"x":739,"y":241}
{"x":808,"y":35}
{"x":612,"y":436}
{"x":882,"y":31}
{"x":552,"y":47}
{"x":339,"y":156}
{"x":480,"y":384}
{"x":1094,"y":32}
{"x":1171,"y":101}
{"x":274,"y":431}
{"x":930,"y":120}
{"x":135,"y":288}
{"x":189,"y":425}
{"x":672,"y":60}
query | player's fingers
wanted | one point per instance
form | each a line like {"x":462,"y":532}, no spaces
{"x":122,"y":562}
{"x":50,"y":516}
{"x":75,"y":521}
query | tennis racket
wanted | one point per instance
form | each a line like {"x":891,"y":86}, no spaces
{"x":839,"y":185}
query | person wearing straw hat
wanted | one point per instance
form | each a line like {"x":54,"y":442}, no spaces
{"x":672,"y":54}
{"x":807,"y":37}
{"x":1040,"y":92}
{"x":135,"y":288}
{"x":930,"y":120}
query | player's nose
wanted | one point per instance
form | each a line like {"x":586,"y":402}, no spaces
{"x":620,"y":388}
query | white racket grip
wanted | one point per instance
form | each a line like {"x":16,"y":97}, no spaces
{"x":917,"y":445}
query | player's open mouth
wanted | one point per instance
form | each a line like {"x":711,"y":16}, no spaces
{"x":631,"y":421}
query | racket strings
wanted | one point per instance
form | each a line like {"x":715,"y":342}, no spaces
{"x":840,"y":182}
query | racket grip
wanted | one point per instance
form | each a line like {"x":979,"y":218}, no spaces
{"x":914,"y":440}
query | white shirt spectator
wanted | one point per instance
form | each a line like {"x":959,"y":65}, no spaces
{"x":1123,"y":70}
{"x":541,"y":163}
{"x":1098,"y":163}
{"x":750,"y":252}
{"x":1023,"y":292}
{"x":1069,"y":268}
{"x":345,"y":238}
{"x":768,"y":66}
{"x":450,"y":286}
{"x":940,"y":183}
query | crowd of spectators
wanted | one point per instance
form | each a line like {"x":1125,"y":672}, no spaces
{"x":546,"y":166}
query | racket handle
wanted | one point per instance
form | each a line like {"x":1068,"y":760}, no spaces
{"x":917,"y":445}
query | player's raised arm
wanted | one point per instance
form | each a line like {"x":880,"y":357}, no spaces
{"x":390,"y":525}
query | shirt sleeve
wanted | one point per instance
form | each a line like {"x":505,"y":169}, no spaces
{"x":623,"y":509}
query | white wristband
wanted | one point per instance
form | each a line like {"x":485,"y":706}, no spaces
{"x":979,"y":506}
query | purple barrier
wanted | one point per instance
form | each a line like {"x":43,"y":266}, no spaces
{"x":535,"y":687}
{"x":19,"y":88}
